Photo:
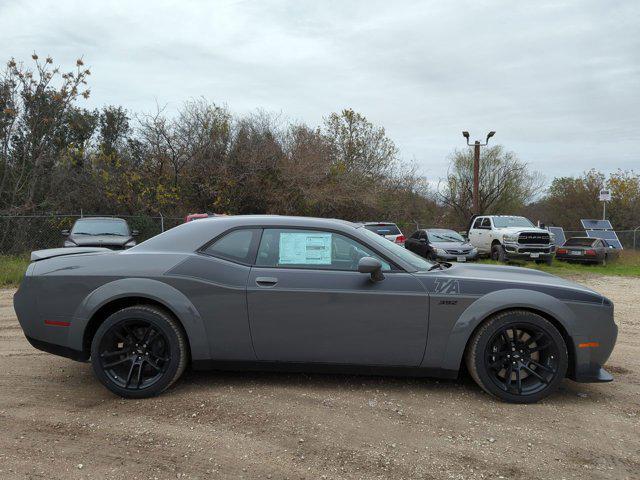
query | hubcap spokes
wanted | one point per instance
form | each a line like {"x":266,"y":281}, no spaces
{"x":134,"y":354}
{"x":522,"y":359}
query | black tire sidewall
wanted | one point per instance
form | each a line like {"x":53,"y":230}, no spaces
{"x":157,"y":319}
{"x":520,"y":317}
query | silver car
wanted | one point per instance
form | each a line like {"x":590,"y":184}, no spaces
{"x":293,"y":293}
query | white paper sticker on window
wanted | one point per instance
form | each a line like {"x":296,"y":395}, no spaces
{"x":305,"y":248}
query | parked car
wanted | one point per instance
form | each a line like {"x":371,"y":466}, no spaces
{"x":507,"y":237}
{"x":197,"y":216}
{"x":441,"y":244}
{"x":295,"y":293}
{"x":586,"y":250}
{"x":388,"y":230}
{"x":106,"y":232}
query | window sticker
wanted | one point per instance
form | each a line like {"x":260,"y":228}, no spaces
{"x":305,"y":248}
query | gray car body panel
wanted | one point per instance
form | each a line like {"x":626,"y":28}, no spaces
{"x":412,"y":320}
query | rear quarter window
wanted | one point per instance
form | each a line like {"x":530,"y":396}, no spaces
{"x":237,"y":246}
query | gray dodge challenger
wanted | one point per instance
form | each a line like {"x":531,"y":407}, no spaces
{"x":308,"y":294}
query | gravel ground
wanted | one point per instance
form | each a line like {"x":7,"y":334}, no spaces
{"x":58,"y":422}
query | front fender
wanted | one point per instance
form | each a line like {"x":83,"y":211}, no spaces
{"x":494,"y":302}
{"x":160,"y":292}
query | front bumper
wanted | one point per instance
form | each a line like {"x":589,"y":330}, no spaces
{"x":528,"y":251}
{"x":452,"y":257}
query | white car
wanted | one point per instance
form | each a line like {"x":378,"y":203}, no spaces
{"x":505,"y":237}
{"x":388,"y":230}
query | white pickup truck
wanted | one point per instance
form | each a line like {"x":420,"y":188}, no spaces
{"x":505,"y":237}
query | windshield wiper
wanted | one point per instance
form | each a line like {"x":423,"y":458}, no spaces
{"x":110,"y":233}
{"x":434,"y":266}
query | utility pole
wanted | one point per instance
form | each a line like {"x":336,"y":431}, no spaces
{"x":476,"y":168}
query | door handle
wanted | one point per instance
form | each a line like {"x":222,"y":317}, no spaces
{"x":266,"y":281}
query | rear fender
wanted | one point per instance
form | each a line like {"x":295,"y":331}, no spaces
{"x":160,"y":292}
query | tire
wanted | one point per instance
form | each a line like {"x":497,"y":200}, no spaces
{"x":498,"y":253}
{"x":139,"y":352}
{"x":538,"y":368}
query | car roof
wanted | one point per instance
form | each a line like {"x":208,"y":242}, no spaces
{"x":377,"y":223}
{"x":115,"y":219}
{"x":192,"y":235}
{"x":439,"y":230}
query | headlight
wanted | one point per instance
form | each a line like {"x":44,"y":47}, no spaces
{"x":440,"y":251}
{"x":473,"y":251}
{"x":130,"y":243}
{"x":552,"y":236}
{"x":510,"y":238}
{"x":69,"y":243}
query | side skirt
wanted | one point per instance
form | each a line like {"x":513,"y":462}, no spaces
{"x":323,"y":368}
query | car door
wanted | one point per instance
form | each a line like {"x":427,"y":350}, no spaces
{"x":308,"y":303}
{"x":485,"y":234}
{"x":412,"y":242}
{"x":477,"y":234}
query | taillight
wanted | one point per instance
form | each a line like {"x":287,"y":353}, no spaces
{"x":400,"y":239}
{"x":562,"y":251}
{"x":591,"y":253}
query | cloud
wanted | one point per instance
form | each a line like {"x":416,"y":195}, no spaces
{"x":558,"y":81}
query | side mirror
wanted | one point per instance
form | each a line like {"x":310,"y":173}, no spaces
{"x":65,"y":233}
{"x":371,"y":266}
{"x":134,"y":233}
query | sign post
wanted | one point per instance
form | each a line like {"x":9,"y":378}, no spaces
{"x":605,"y":196}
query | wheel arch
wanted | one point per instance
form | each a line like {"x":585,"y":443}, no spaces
{"x":122,"y":293}
{"x":548,"y":307}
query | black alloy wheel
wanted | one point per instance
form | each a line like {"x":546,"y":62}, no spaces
{"x":522,"y":358}
{"x":138,"y":352}
{"x":517,"y":356}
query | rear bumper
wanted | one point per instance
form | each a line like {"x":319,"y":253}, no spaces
{"x":579,"y":259}
{"x":59,"y":350}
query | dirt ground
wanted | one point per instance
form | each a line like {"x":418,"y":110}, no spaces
{"x":56,"y":421}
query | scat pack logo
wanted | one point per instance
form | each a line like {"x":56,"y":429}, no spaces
{"x":446,"y":286}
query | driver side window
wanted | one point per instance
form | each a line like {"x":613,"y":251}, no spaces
{"x":293,"y":248}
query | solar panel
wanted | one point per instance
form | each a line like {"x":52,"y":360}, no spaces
{"x":609,"y":235}
{"x":559,"y":233}
{"x":589,"y":224}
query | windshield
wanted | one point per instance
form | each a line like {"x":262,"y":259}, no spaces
{"x":408,"y":256}
{"x":389,"y":229}
{"x":506,"y":222}
{"x":93,"y":226}
{"x":444,"y":236}
{"x":579,"y":242}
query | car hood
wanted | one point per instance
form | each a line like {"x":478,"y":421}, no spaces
{"x":479,"y":279}
{"x":99,"y":240}
{"x":513,"y":230}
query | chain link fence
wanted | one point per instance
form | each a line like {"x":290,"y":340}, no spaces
{"x":21,"y":234}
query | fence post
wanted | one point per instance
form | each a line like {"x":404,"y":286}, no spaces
{"x":161,"y":222}
{"x":634,"y":236}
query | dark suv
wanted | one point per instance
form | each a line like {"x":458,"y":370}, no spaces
{"x":108,"y":232}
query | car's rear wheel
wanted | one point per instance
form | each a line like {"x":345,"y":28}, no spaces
{"x":139,"y":352}
{"x":517,"y":356}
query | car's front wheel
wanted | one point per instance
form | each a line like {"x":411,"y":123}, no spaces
{"x":517,"y":356}
{"x":139,"y":351}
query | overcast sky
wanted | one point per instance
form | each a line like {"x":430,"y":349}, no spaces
{"x":558,"y":81}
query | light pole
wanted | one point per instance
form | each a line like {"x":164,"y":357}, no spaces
{"x":476,"y":168}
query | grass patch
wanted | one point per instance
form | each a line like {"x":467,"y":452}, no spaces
{"x":627,"y":265}
{"x":12,"y":270}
